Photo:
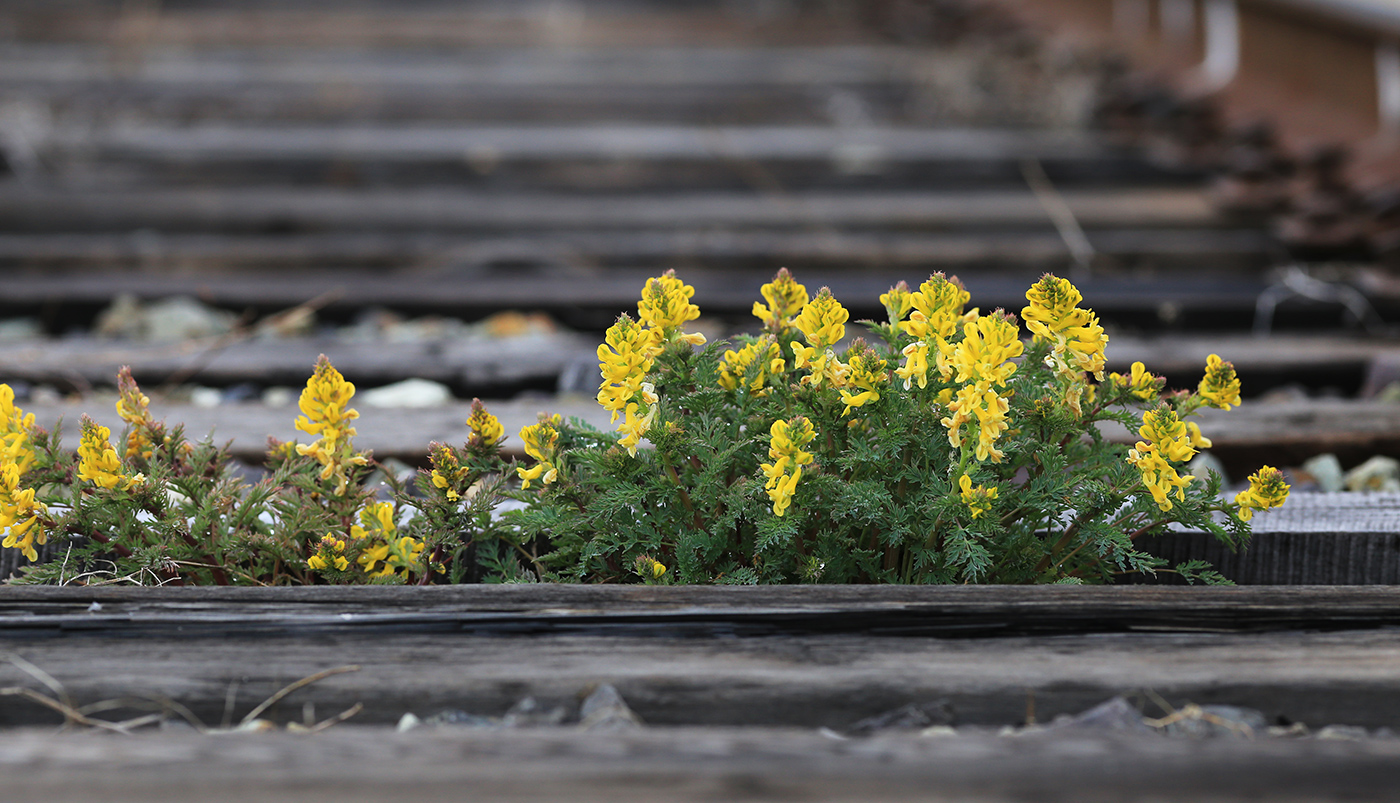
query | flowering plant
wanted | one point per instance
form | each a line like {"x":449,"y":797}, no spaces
{"x":946,"y":449}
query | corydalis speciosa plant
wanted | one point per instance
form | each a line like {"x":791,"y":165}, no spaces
{"x":952,"y":446}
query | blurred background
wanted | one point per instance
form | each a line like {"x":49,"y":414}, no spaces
{"x":455,"y":199}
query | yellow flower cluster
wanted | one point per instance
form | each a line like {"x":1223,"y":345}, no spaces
{"x":625,"y":358}
{"x":542,"y":443}
{"x":1168,"y":440}
{"x":325,"y":413}
{"x":1139,"y":383}
{"x":1219,"y":387}
{"x":385,"y":552}
{"x":649,"y":568}
{"x":98,"y":462}
{"x":1266,"y":490}
{"x":763,"y":356}
{"x":15,"y":426}
{"x":447,"y":472}
{"x":786,"y":441}
{"x":979,"y":499}
{"x":982,"y":362}
{"x":133,"y":408}
{"x":785,"y":299}
{"x":867,"y":375}
{"x":19,"y":513}
{"x":1077,"y":340}
{"x":937,"y":308}
{"x":486,"y":429}
{"x":665,"y":307}
{"x":822,"y":323}
{"x":330,"y":551}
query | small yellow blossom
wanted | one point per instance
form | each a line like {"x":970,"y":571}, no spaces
{"x":785,"y":299}
{"x":98,"y":462}
{"x":649,"y":568}
{"x":979,"y":499}
{"x":15,"y":428}
{"x":1139,"y":383}
{"x":823,"y":324}
{"x":1168,"y":433}
{"x":133,"y":408}
{"x":1266,"y":490}
{"x":938,"y":309}
{"x":326,"y":413}
{"x":1158,"y":475}
{"x":542,"y":443}
{"x":1053,"y":315}
{"x":984,"y":356}
{"x":383,"y":551}
{"x":1220,"y":387}
{"x":786,"y":442}
{"x":867,"y":376}
{"x":763,"y":353}
{"x":1196,"y":437}
{"x":637,"y":421}
{"x":988,"y":409}
{"x":1168,"y":440}
{"x":486,"y":429}
{"x":915,"y":367}
{"x":19,"y":514}
{"x":898,"y":301}
{"x":329,"y":552}
{"x":447,"y":472}
{"x":665,"y":307}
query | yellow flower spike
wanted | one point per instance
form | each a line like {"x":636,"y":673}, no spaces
{"x":624,"y":360}
{"x":1053,"y":315}
{"x":326,"y":413}
{"x":1139,"y":383}
{"x":649,"y":568}
{"x":988,"y":409}
{"x":786,"y":442}
{"x":1168,"y":434}
{"x":1266,"y":491}
{"x":915,"y":367}
{"x":329,"y":553}
{"x":785,"y":299}
{"x":979,"y":499}
{"x":867,"y":375}
{"x":938,"y":308}
{"x":447,"y":473}
{"x":132,"y":407}
{"x":635,"y":426}
{"x":736,"y":364}
{"x":19,"y":514}
{"x":984,"y":356}
{"x":897,"y":302}
{"x":542,"y":443}
{"x":822,"y":321}
{"x":665,"y":307}
{"x":1158,"y":475}
{"x":1220,"y":387}
{"x":15,"y":427}
{"x":486,"y":429}
{"x":97,"y":460}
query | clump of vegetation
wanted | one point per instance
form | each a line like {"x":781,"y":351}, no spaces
{"x":943,"y":449}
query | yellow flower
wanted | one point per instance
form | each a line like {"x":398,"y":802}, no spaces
{"x":1220,"y":387}
{"x":624,"y":360}
{"x":1140,"y":383}
{"x":984,"y":356}
{"x":785,"y":299}
{"x":542,"y":443}
{"x":867,"y":375}
{"x":98,"y":462}
{"x":979,"y":499}
{"x":329,"y":553}
{"x":1194,"y":435}
{"x":377,"y":533}
{"x":15,"y":426}
{"x":898,"y":301}
{"x":1158,"y":475}
{"x":665,"y":307}
{"x":649,"y":568}
{"x":1077,"y":340}
{"x":1266,"y":490}
{"x":988,"y":409}
{"x":915,"y":367}
{"x":938,"y":308}
{"x":636,"y":423}
{"x":447,"y":473}
{"x":1168,"y":434}
{"x":823,"y":324}
{"x":19,"y":514}
{"x":786,"y":442}
{"x":486,"y":429}
{"x":325,"y":413}
{"x":737,"y":364}
{"x":132,"y":407}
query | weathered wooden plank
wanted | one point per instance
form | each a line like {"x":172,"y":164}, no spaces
{"x":292,"y":209}
{"x":349,"y":764}
{"x":672,"y":677}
